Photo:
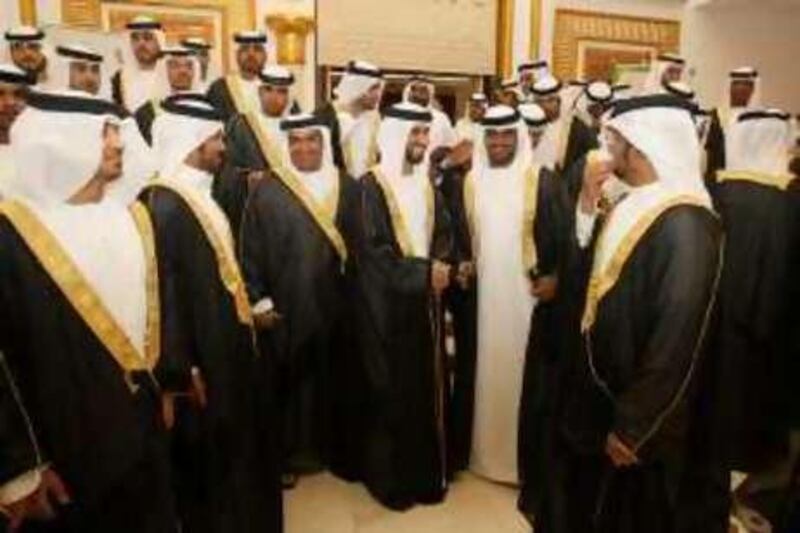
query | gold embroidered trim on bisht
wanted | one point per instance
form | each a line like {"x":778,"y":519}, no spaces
{"x":228,"y":267}
{"x":530,"y":256}
{"x":398,"y":222}
{"x":780,"y":182}
{"x":233,"y":83}
{"x":601,"y":283}
{"x":323,"y":214}
{"x":80,"y":294}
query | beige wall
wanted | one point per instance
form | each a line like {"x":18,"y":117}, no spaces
{"x":9,"y":14}
{"x":718,"y":39}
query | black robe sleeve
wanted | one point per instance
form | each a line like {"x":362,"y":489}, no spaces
{"x":19,"y":451}
{"x":174,"y":368}
{"x":231,"y":188}
{"x":243,"y":150}
{"x":451,"y":188}
{"x":145,"y":116}
{"x":220,"y":98}
{"x":116,"y":88}
{"x":679,"y":288}
{"x":256,"y":247}
{"x":791,"y":367}
{"x":462,"y":304}
{"x":581,"y":140}
{"x":715,"y":150}
{"x":551,"y":223}
{"x":572,"y":180}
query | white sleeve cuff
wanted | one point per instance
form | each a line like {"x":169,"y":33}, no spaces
{"x":20,"y":487}
{"x":584,"y":226}
{"x":264,"y":305}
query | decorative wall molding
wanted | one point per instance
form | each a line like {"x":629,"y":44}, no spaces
{"x":504,"y":50}
{"x":27,"y":12}
{"x":81,"y":13}
{"x":536,"y":28}
{"x":573,"y":27}
{"x":291,"y":33}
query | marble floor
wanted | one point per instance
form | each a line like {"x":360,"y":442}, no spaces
{"x":325,"y":504}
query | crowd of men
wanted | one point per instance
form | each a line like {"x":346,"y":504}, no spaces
{"x":206,"y":293}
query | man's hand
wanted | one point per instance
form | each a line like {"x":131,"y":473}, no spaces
{"x":461,"y":154}
{"x":198,"y":393}
{"x":168,"y":410}
{"x":267,"y":319}
{"x":466,"y":271}
{"x":544,"y":288}
{"x":597,"y":171}
{"x":620,"y":454}
{"x":440,"y":276}
{"x":38,"y":506}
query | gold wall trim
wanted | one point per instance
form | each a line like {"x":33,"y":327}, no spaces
{"x":536,"y":28}
{"x":84,"y":13}
{"x":573,"y":26}
{"x":504,"y":52}
{"x":27,"y":12}
{"x":291,"y":33}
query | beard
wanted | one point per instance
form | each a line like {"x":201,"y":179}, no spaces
{"x":415,"y":154}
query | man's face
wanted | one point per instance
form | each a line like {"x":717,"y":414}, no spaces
{"x":203,"y":59}
{"x":212,"y":153}
{"x":28,"y":56}
{"x":596,"y":110}
{"x":619,"y":149}
{"x":251,"y":58}
{"x":507,"y":97}
{"x":673,"y":73}
{"x":417,"y":145}
{"x":476,"y":111}
{"x":536,"y":135}
{"x":12,"y":102}
{"x":526,"y":79}
{"x":420,"y":94}
{"x":501,"y":146}
{"x":551,"y":105}
{"x":145,"y":46}
{"x":273,"y":100}
{"x":741,"y":92}
{"x":305,"y":150}
{"x":371,"y":98}
{"x":84,"y":76}
{"x":180,"y":73}
{"x":111,"y":160}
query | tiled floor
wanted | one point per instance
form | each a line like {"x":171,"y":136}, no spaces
{"x":324,"y":504}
